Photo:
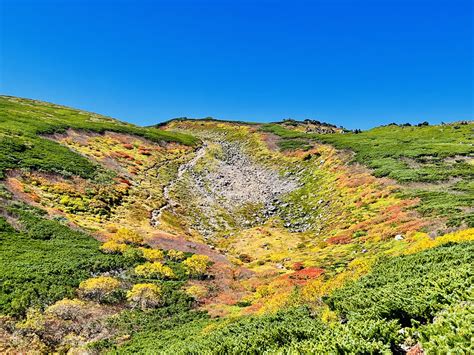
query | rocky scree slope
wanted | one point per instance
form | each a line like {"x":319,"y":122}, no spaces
{"x":223,"y":183}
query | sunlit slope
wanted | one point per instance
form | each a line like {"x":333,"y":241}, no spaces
{"x":433,"y":163}
{"x":206,"y":236}
{"x":24,"y":121}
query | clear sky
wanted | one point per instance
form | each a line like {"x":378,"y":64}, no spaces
{"x":356,"y":63}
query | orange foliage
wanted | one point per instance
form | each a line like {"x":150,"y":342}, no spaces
{"x":341,"y":239}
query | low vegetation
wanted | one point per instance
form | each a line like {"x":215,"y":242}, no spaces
{"x":202,"y":236}
{"x":433,"y":163}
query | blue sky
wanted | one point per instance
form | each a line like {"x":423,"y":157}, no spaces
{"x":353,"y":63}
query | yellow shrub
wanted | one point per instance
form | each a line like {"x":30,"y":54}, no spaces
{"x":276,"y":302}
{"x":456,"y":237}
{"x":313,"y":290}
{"x":421,"y":241}
{"x":127,"y":236}
{"x":262,"y":291}
{"x":146,"y":295}
{"x":152,"y":254}
{"x":34,"y":322}
{"x":67,"y":309}
{"x":360,"y":266}
{"x":98,"y":288}
{"x":196,"y":265}
{"x":175,"y":255}
{"x":154,"y":270}
{"x":196,"y":291}
{"x":112,"y":247}
{"x":328,"y":316}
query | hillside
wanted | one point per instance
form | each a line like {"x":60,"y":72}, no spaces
{"x":207,"y":236}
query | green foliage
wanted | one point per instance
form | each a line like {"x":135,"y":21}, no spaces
{"x":450,"y":332}
{"x":23,"y":121}
{"x":292,"y":144}
{"x":402,"y":291}
{"x":45,"y":263}
{"x":41,"y":154}
{"x":412,"y":287}
{"x":156,"y":329}
{"x":291,"y":331}
{"x":425,"y":155}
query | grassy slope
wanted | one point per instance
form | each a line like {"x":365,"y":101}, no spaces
{"x":400,"y":292}
{"x":50,"y":260}
{"x":431,"y":161}
{"x":22,"y":121}
{"x":45,"y":262}
{"x":406,"y":291}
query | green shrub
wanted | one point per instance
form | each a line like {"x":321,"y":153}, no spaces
{"x":46,"y":263}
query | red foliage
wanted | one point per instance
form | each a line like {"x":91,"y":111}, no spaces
{"x":302,"y":276}
{"x":339,"y":239}
{"x":127,"y":146}
{"x":144,"y":151}
{"x":297,"y":266}
{"x":124,"y":181}
{"x":122,"y":155}
{"x":35,"y":197}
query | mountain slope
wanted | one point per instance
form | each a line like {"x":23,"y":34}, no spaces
{"x":218,"y":236}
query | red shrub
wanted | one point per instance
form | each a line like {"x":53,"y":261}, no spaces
{"x":302,"y":276}
{"x":297,"y":266}
{"x":339,"y":239}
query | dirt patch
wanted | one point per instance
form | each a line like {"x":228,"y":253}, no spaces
{"x":271,"y":140}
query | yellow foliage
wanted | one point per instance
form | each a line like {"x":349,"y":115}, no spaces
{"x":196,"y":265}
{"x":361,"y":266}
{"x":152,"y":254}
{"x":145,"y":295}
{"x":262,"y":291}
{"x":275,"y":303}
{"x":67,"y":309}
{"x":127,"y":236}
{"x":35,"y":321}
{"x":99,"y":287}
{"x":421,"y":241}
{"x":328,"y":316}
{"x":112,"y":247}
{"x":154,"y":270}
{"x":196,"y":291}
{"x":175,"y":255}
{"x":313,"y":290}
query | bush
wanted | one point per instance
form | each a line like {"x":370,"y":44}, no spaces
{"x":412,"y":287}
{"x":450,"y":332}
{"x":38,"y":271}
{"x":146,"y":295}
{"x":196,"y":265}
{"x":154,"y":270}
{"x":112,"y":247}
{"x":196,"y":291}
{"x":127,"y":236}
{"x":67,"y":309}
{"x":101,"y":289}
{"x":175,"y":255}
{"x":152,"y":254}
